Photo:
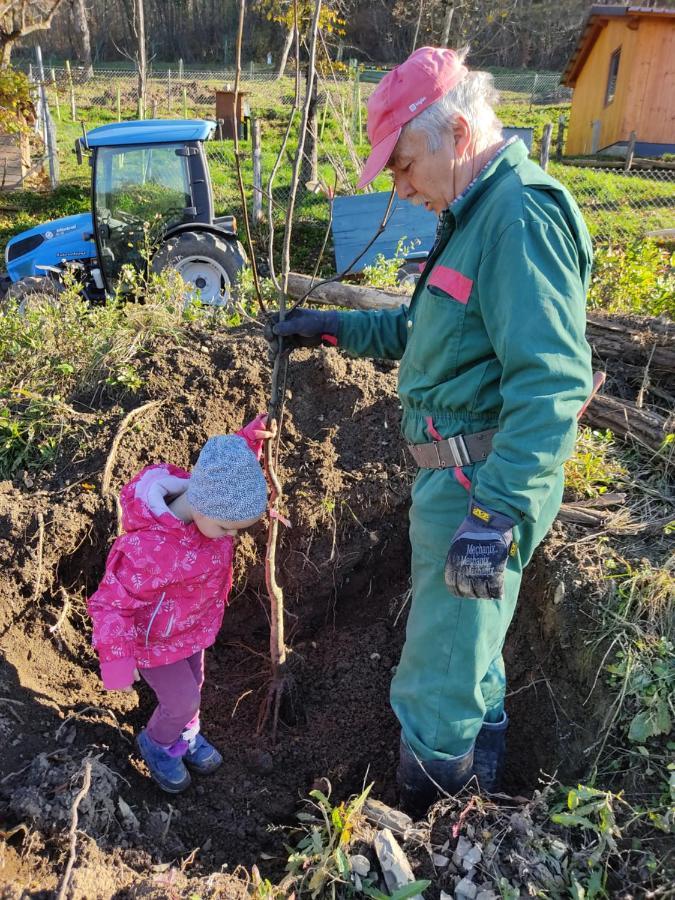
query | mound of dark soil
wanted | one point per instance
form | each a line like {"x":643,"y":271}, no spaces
{"x":344,"y":569}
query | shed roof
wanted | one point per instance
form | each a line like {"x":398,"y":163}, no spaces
{"x":596,"y":19}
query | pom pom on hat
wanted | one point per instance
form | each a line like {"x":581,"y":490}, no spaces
{"x":227,"y":482}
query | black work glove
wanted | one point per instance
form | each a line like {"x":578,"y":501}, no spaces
{"x":478,"y":554}
{"x":302,"y":328}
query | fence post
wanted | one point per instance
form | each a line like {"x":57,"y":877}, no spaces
{"x":630,"y":151}
{"x":257,"y":170}
{"x":323,"y":117}
{"x":356,"y":113}
{"x":545,"y":145}
{"x":48,"y":124}
{"x":534,"y":88}
{"x":168,"y":93}
{"x":119,"y":103}
{"x":185,"y":115}
{"x":180,"y":70}
{"x":560,"y":138}
{"x":56,"y":95}
{"x":73,"y":107}
{"x":153,"y":110}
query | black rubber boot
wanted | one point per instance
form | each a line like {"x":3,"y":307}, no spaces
{"x":489,"y":755}
{"x":417,"y":789}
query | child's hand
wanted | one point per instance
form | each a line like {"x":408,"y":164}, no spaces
{"x":137,"y":677}
{"x":260,"y":430}
{"x":119,"y":674}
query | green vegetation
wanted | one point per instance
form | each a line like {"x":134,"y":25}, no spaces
{"x":56,"y":349}
{"x":595,"y":467}
{"x":638,"y":278}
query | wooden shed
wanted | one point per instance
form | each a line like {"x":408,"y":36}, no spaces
{"x":623,"y":74}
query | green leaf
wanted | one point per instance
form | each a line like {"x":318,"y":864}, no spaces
{"x":641,"y":728}
{"x":410,"y":890}
{"x":342,"y":863}
{"x":571,"y":820}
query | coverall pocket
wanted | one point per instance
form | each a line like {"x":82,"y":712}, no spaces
{"x":433,"y":344}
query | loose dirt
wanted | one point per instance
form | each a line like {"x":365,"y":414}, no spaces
{"x":344,"y":569}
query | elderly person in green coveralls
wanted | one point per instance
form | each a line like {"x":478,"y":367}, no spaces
{"x":494,"y":370}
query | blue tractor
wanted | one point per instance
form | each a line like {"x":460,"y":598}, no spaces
{"x":152,"y":204}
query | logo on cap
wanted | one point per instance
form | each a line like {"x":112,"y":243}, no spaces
{"x":413,"y":106}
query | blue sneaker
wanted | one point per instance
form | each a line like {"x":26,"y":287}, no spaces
{"x":202,"y":757}
{"x":166,"y":765}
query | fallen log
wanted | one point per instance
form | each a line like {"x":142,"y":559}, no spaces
{"x":636,"y":342}
{"x":337,"y":293}
{"x":625,"y":420}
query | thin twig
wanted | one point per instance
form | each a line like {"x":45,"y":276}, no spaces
{"x":84,"y":790}
{"x":64,"y":611}
{"x":39,"y":553}
{"x":124,"y":424}
{"x":240,"y":177}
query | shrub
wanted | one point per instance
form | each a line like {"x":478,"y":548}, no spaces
{"x":639,"y":278}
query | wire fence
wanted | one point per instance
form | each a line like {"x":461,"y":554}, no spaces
{"x":618,"y":206}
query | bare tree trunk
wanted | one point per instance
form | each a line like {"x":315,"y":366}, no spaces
{"x":141,"y":56}
{"x":78,"y":12}
{"x":417,"y":26}
{"x":284,"y":53}
{"x":447,"y":22}
{"x":6,"y":52}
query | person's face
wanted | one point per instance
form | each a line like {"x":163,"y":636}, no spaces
{"x":430,"y":179}
{"x":217,"y":528}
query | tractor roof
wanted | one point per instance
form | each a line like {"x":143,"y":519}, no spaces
{"x":150,"y":131}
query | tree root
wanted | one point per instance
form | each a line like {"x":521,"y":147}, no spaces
{"x":283,"y":701}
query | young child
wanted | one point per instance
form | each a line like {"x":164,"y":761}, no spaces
{"x":165,"y":588}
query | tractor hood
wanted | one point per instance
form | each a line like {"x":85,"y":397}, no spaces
{"x":70,"y":239}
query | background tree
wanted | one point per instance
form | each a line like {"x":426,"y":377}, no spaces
{"x":78,"y":17}
{"x":19,"y":18}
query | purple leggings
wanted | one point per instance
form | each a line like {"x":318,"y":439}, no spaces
{"x":178,"y":688}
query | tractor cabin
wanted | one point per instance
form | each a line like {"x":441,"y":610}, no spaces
{"x":623,"y":74}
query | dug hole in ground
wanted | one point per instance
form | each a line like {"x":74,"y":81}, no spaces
{"x":344,"y":566}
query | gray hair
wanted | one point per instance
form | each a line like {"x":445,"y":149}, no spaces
{"x":473,"y":98}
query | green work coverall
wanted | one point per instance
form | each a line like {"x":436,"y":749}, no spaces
{"x":493,"y":337}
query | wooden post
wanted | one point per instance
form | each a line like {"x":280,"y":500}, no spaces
{"x":168,"y":93}
{"x":630,"y":151}
{"x":119,"y":103}
{"x":534,"y":89}
{"x":257,"y":170}
{"x":73,"y":107}
{"x":56,"y":95}
{"x":185,"y":115}
{"x":560,"y":138}
{"x":153,"y":111}
{"x":323,"y":117}
{"x":545,"y":145}
{"x":356,"y":112}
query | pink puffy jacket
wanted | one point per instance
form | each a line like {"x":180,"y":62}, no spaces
{"x":166,"y":586}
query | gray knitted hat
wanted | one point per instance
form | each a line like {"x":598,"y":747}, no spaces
{"x":227,"y":482}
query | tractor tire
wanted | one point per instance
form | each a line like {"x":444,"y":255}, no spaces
{"x":32,"y":292}
{"x":208,"y":262}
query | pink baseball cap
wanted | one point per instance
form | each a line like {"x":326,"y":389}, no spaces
{"x":403,"y":93}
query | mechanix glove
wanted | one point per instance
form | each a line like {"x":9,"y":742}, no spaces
{"x":302,"y":328}
{"x":478,"y":554}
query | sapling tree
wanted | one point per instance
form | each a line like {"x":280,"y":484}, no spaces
{"x":282,"y":684}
